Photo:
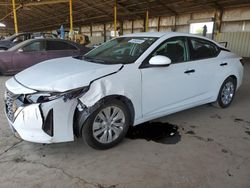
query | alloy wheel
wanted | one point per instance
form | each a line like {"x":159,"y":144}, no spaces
{"x":108,"y":124}
{"x":227,"y":93}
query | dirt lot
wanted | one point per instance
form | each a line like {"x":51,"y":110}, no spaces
{"x":210,"y":149}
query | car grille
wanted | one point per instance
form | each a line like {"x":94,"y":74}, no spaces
{"x":10,"y":106}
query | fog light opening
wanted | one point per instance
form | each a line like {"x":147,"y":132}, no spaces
{"x":49,"y":124}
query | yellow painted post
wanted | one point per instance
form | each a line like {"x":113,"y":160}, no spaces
{"x":146,"y":21}
{"x":115,"y":17}
{"x":15,"y":17}
{"x":71,"y":16}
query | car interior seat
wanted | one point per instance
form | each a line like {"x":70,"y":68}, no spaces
{"x":175,"y":52}
{"x":202,"y":52}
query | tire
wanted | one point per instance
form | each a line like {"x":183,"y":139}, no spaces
{"x":226,"y":93}
{"x":107,"y":126}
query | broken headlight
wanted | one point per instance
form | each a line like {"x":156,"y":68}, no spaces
{"x":41,"y":97}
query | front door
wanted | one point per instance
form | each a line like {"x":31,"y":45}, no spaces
{"x":167,"y":89}
{"x":29,"y":55}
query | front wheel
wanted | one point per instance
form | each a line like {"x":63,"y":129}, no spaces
{"x":107,"y":126}
{"x":226,"y":93}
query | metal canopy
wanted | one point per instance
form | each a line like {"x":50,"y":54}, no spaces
{"x":37,"y":15}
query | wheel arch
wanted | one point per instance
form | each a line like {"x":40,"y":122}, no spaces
{"x":229,"y":76}
{"x":234,"y":77}
{"x":81,"y":116}
{"x":221,"y":82}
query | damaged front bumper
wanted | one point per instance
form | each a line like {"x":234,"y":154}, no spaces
{"x":28,"y":125}
{"x":47,"y":122}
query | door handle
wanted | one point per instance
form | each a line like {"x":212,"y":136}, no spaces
{"x":223,"y":64}
{"x":189,"y":71}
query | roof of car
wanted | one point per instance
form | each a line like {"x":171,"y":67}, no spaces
{"x":146,"y":34}
{"x":159,"y":34}
{"x":165,"y":34}
{"x":44,"y":39}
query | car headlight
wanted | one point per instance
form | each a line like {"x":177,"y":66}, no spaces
{"x":41,"y":97}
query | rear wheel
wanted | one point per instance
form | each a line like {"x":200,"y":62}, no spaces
{"x":226,"y":93}
{"x":107,"y":126}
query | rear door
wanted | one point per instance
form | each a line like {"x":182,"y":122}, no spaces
{"x":30,"y":54}
{"x":56,"y":49}
{"x":203,"y":59}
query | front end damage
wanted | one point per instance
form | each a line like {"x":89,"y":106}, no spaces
{"x":52,"y":117}
{"x":41,"y":121}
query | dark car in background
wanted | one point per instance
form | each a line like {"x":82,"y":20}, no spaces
{"x":14,"y":40}
{"x":33,"y":51}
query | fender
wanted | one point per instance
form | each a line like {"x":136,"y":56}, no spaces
{"x":82,"y":112}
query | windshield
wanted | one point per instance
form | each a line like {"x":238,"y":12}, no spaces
{"x":122,"y":50}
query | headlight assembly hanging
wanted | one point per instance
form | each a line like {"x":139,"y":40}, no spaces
{"x":41,"y":97}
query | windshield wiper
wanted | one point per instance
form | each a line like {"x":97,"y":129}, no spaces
{"x":92,"y":59}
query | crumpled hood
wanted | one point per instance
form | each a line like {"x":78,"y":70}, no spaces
{"x":63,"y":74}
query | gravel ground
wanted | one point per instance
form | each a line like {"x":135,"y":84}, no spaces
{"x":210,"y":149}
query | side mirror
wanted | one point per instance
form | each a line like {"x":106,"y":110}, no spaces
{"x":20,"y":50}
{"x":160,"y":60}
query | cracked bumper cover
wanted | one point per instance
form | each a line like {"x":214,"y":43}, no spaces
{"x":28,"y":125}
{"x":29,"y":120}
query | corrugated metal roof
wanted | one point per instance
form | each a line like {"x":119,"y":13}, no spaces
{"x":34,"y":15}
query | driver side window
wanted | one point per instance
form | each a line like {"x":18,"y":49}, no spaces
{"x":174,"y":49}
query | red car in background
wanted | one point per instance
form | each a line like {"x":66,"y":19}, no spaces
{"x":33,"y":51}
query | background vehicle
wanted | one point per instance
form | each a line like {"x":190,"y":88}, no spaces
{"x":45,"y":35}
{"x":14,"y":40}
{"x":33,"y":51}
{"x":124,"y":82}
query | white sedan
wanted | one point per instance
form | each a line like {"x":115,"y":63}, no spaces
{"x":124,"y":82}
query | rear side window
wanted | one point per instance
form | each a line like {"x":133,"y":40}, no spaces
{"x":59,"y":45}
{"x":202,"y":49}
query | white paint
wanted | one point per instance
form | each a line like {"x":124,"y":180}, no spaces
{"x":17,"y":88}
{"x":154,"y":91}
{"x":61,"y":72}
{"x":159,"y":60}
{"x":28,"y":124}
